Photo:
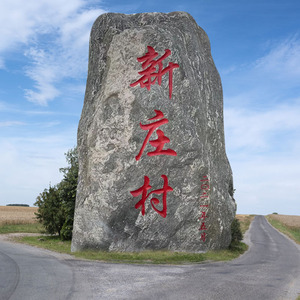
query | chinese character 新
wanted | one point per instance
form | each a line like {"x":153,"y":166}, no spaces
{"x":154,"y":69}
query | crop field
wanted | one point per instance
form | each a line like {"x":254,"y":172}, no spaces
{"x":245,"y":221}
{"x":290,"y":221}
{"x":289,"y":225}
{"x":10,"y":215}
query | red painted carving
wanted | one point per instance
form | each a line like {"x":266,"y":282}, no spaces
{"x":203,"y":215}
{"x":203,"y":236}
{"x":205,"y":178}
{"x":149,"y":65}
{"x":204,"y":195}
{"x":154,"y":201}
{"x":160,"y":141}
{"x":203,"y":226}
{"x":205,"y":186}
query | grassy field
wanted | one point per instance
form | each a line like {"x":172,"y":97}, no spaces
{"x":245,"y":221}
{"x":22,"y":219}
{"x":144,"y":257}
{"x":153,"y":257}
{"x":24,"y":228}
{"x":15,"y":219}
{"x":289,"y":225}
{"x":11,"y":215}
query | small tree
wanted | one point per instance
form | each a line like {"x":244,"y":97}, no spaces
{"x":236,"y":233}
{"x":68,"y":188}
{"x":50,"y":213}
{"x":57,"y":204}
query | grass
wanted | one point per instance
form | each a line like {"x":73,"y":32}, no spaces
{"x":292,"y":231}
{"x":17,"y":215}
{"x":145,"y":257}
{"x":14,"y":228}
{"x":14,"y":219}
{"x":245,"y":221}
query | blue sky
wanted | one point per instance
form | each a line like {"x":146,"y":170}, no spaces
{"x":256,"y":48}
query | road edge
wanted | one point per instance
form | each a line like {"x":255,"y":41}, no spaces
{"x":297,"y":245}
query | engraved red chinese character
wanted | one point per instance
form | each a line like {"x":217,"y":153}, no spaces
{"x":160,"y":141}
{"x":205,"y":186}
{"x":149,"y":65}
{"x":205,"y":178}
{"x":203,"y":215}
{"x":154,"y":201}
{"x":203,"y":236}
{"x":203,"y":226}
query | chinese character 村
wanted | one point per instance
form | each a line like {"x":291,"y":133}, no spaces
{"x":154,"y":201}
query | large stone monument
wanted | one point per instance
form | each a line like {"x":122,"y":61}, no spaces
{"x":153,"y":172}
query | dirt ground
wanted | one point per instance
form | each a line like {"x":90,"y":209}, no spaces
{"x":17,"y":215}
{"x":291,"y":221}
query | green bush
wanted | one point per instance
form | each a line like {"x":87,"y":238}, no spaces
{"x":66,"y":231}
{"x":236,"y":233}
{"x":50,"y":213}
{"x":68,"y":188}
{"x":56,"y":205}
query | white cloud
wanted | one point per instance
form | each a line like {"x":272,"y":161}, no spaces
{"x":272,"y":78}
{"x":20,"y":20}
{"x":29,"y":164}
{"x":76,"y":32}
{"x":262,"y":130}
{"x":44,"y":76}
{"x":3,"y":106}
{"x":248,"y":129}
{"x":11,"y":123}
{"x":264,"y":151}
{"x":267,"y":184}
{"x":54,"y":36}
{"x":283,"y":61}
{"x":14,"y":109}
{"x":2,"y":64}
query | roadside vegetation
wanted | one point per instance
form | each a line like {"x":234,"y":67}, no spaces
{"x":144,"y":257}
{"x":289,"y":225}
{"x":27,"y":223}
{"x":55,"y":243}
{"x":19,"y":219}
{"x":56,"y":205}
{"x":17,"y":215}
{"x":18,"y":228}
{"x":245,"y":221}
{"x":55,"y":212}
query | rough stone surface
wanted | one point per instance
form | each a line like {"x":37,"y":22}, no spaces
{"x":109,"y":138}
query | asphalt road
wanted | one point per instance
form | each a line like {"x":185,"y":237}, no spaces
{"x":269,"y":270}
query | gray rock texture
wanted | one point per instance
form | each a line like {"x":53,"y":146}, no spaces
{"x":110,"y":137}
